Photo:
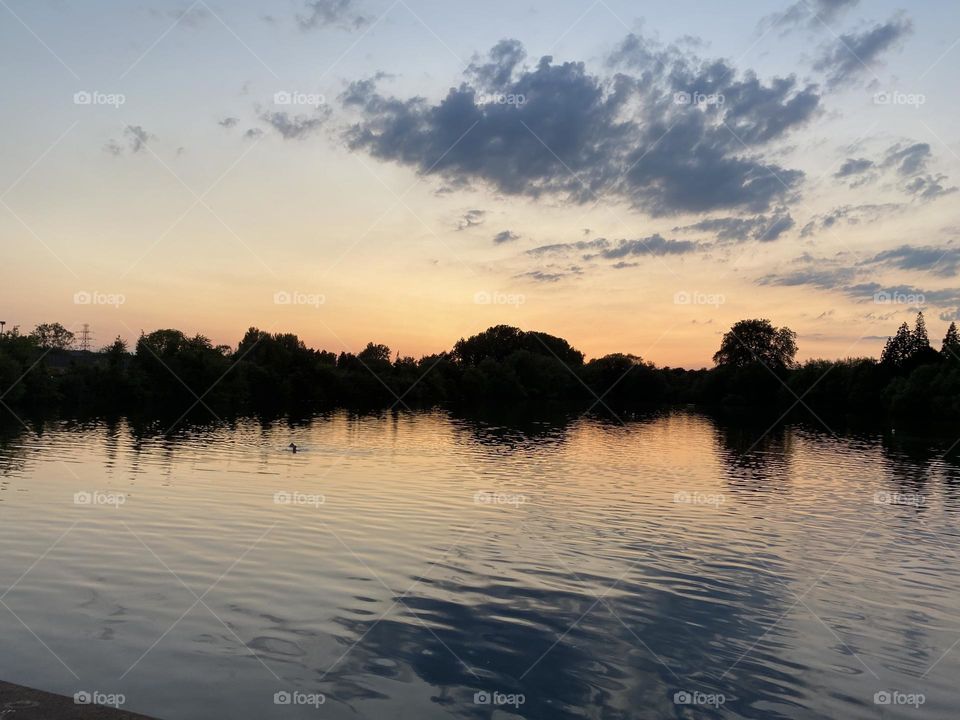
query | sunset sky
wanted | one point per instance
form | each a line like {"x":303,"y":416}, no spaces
{"x":632,"y":176}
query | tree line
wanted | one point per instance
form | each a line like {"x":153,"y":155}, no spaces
{"x":503,"y":366}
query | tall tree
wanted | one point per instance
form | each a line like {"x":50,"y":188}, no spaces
{"x":921,"y":340}
{"x":951,"y":343}
{"x":751,"y":342}
{"x":898,"y":348}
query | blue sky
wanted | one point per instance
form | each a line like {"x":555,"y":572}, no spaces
{"x":816,"y":181}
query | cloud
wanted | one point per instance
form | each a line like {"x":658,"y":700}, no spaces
{"x":852,"y":214}
{"x":541,"y":276}
{"x":853,"y":54}
{"x":655,"y":245}
{"x":325,"y":13}
{"x":252,"y":134}
{"x":228,"y":122}
{"x":557,"y":130}
{"x":505,"y":236}
{"x":929,"y":187}
{"x":853,"y":279}
{"x":764,"y":228}
{"x":563,"y":248}
{"x":825,"y":278}
{"x":295,"y":127}
{"x":854,"y":166}
{"x":812,"y":14}
{"x":471,"y":218}
{"x":551,"y":277}
{"x":908,"y":160}
{"x":942,"y":261}
{"x":136,"y":138}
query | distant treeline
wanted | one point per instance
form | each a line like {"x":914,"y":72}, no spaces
{"x":503,"y":366}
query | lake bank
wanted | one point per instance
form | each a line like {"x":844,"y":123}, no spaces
{"x":23,"y":703}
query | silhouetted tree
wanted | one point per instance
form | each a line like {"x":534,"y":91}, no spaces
{"x":910,"y":349}
{"x":921,"y":341}
{"x":375,"y":354}
{"x":898,"y":348}
{"x":52,"y":336}
{"x":752,"y":342}
{"x":951,"y":343}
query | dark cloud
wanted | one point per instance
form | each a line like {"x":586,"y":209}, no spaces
{"x":505,"y":236}
{"x":555,"y":129}
{"x":228,"y":122}
{"x":253,"y":133}
{"x":504,"y":59}
{"x":854,"y":166}
{"x":929,"y":187}
{"x":942,"y":261}
{"x":764,"y":228}
{"x":655,"y":245}
{"x":812,"y":14}
{"x":825,"y":278}
{"x":471,"y":218}
{"x":541,"y":276}
{"x":853,"y":279}
{"x":324,"y":13}
{"x":853,"y":54}
{"x":295,"y":127}
{"x":908,"y":160}
{"x":562,"y":248}
{"x":550,"y":276}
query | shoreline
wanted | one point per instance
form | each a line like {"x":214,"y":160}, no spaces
{"x":22,"y":703}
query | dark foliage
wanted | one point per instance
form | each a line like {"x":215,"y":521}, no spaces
{"x":170,"y":373}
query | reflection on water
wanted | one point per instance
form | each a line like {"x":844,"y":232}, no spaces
{"x":422,"y":566}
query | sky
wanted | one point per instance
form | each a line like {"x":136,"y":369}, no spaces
{"x":631,"y":176}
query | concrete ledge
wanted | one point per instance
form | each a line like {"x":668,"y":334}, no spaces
{"x":21,"y":703}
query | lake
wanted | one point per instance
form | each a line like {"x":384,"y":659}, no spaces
{"x":428,"y":566}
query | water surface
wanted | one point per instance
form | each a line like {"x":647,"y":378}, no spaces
{"x":419,"y":565}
